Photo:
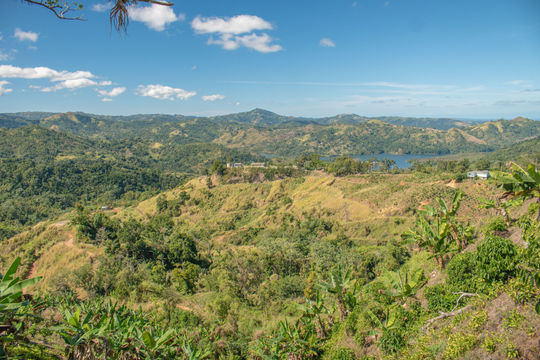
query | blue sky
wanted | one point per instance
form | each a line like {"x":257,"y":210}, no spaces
{"x":466,"y":59}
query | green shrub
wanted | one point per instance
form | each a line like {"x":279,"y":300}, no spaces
{"x":342,"y":354}
{"x":495,"y":224}
{"x":391,"y":341}
{"x":458,"y":344}
{"x":440,"y":298}
{"x":496,"y":259}
{"x":462,"y":273}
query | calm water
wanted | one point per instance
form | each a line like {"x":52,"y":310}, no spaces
{"x":402,"y":161}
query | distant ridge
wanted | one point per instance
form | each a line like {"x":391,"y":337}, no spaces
{"x":257,"y":117}
{"x":264,"y":132}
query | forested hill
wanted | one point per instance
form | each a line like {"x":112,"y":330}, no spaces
{"x":260,"y":131}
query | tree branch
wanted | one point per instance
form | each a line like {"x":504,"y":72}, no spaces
{"x":453,"y":312}
{"x":57,"y":10}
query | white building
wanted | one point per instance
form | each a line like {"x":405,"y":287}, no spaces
{"x":481,"y":174}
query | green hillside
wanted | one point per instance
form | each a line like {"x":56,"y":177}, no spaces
{"x":263,"y":132}
{"x":247,"y":258}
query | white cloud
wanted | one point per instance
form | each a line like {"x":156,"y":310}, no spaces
{"x":213,"y":97}
{"x":164,"y":92}
{"x":261,"y":43}
{"x":71,"y":84}
{"x":101,"y":7}
{"x":112,"y":93}
{"x":4,"y":90}
{"x":230,"y":30}
{"x":106,"y":99}
{"x":326,"y":42}
{"x":156,"y":17}
{"x":63,"y":79}
{"x":518,"y":82}
{"x":26,"y":35}
{"x":3,"y":56}
{"x":239,"y":24}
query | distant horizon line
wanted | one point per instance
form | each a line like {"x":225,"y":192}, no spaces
{"x":289,"y":116}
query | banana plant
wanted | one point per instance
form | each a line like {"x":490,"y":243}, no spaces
{"x":523,"y":184}
{"x":11,"y":291}
{"x":342,"y":285}
{"x":192,"y":353}
{"x":434,"y":235}
{"x":405,"y":285}
{"x":389,"y":322}
{"x":313,"y":311}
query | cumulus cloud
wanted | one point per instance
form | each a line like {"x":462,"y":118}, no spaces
{"x":239,"y":24}
{"x":213,"y":97}
{"x":261,"y":43}
{"x":62,"y":79}
{"x":101,"y":7}
{"x":156,"y":17}
{"x":3,"y":90}
{"x":326,"y":42}
{"x":163,"y":92}
{"x":112,"y":93}
{"x":237,"y":31}
{"x":25,"y":35}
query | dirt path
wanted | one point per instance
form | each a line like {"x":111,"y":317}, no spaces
{"x":61,"y":223}
{"x":69,"y":242}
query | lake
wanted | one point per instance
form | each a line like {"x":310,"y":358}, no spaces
{"x":402,"y":161}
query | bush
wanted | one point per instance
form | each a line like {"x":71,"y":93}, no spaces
{"x":495,"y":224}
{"x":461,"y":272}
{"x":391,"y":341}
{"x":440,"y":298}
{"x":342,"y":354}
{"x":496,"y":259}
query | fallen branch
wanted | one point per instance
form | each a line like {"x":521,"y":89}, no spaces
{"x":454,"y":312}
{"x":461,"y":296}
{"x":445,"y":315}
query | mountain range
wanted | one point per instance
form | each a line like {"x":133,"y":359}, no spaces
{"x":264,"y":132}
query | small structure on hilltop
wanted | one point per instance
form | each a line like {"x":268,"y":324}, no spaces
{"x":234,"y":165}
{"x":481,"y":174}
{"x":257,"y":164}
{"x":106,"y":208}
